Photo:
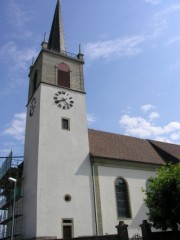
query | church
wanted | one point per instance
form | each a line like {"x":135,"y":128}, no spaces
{"x":76,"y":181}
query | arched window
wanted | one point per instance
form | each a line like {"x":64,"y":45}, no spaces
{"x":35,"y":81}
{"x":63,"y":75}
{"x":122,"y":199}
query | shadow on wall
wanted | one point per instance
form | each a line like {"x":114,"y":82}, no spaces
{"x":137,"y":220}
{"x":84,"y":168}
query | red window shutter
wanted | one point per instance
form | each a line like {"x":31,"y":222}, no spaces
{"x":63,"y":75}
{"x":64,"y":78}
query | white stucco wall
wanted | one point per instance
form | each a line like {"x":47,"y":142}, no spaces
{"x":136,"y":180}
{"x":30,"y":170}
{"x":62,"y":167}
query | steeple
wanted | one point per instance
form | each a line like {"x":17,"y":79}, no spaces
{"x":56,"y":38}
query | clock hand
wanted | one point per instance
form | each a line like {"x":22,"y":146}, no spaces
{"x":66,"y":102}
{"x":58,"y":101}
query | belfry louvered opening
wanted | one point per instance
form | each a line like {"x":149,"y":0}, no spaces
{"x":63,"y":75}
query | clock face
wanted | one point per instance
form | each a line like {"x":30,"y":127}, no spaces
{"x":63,"y":100}
{"x":32,"y":107}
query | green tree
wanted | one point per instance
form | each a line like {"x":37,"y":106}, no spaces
{"x":163,"y":198}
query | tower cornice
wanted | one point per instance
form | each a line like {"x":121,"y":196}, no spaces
{"x":67,"y":55}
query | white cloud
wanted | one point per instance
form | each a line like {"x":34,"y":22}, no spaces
{"x":138,"y":126}
{"x":161,"y":20}
{"x":17,"y":58}
{"x":147,"y":107}
{"x":16,"y":128}
{"x":18,"y":18}
{"x":141,"y":127}
{"x":168,"y":11}
{"x":91,"y":119}
{"x":16,"y":15}
{"x":130,"y":46}
{"x":173,"y":40}
{"x":162,"y":139}
{"x":171,"y":127}
{"x":175,"y":136}
{"x":153,"y":115}
{"x":154,"y":2}
{"x":127,"y":110}
{"x":121,"y":47}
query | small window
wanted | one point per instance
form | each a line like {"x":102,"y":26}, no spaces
{"x":67,"y":221}
{"x":67,"y":228}
{"x":67,"y":198}
{"x":65,"y":123}
{"x":122,"y":198}
{"x":63,"y":75}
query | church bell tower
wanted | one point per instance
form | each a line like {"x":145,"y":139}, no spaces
{"x":58,"y":199}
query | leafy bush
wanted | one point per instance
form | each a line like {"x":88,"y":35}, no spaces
{"x":163,"y":198}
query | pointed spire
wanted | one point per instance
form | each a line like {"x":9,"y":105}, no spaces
{"x":56,"y":38}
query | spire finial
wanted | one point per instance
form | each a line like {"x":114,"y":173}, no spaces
{"x":56,"y":38}
{"x":32,"y":61}
{"x":44,"y":36}
{"x":80,"y":48}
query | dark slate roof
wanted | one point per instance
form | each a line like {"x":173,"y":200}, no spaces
{"x":121,"y":147}
{"x":56,"y":39}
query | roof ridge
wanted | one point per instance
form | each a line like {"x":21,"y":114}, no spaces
{"x":117,"y":134}
{"x":123,"y":135}
{"x":164,"y":150}
{"x":174,"y":144}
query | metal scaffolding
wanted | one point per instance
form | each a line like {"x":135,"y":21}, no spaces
{"x":11,"y":168}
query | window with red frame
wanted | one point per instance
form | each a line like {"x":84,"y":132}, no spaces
{"x":63,"y":75}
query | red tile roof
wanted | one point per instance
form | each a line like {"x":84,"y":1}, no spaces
{"x":121,"y":147}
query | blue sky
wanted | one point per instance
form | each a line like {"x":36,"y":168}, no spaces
{"x":132,"y":70}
